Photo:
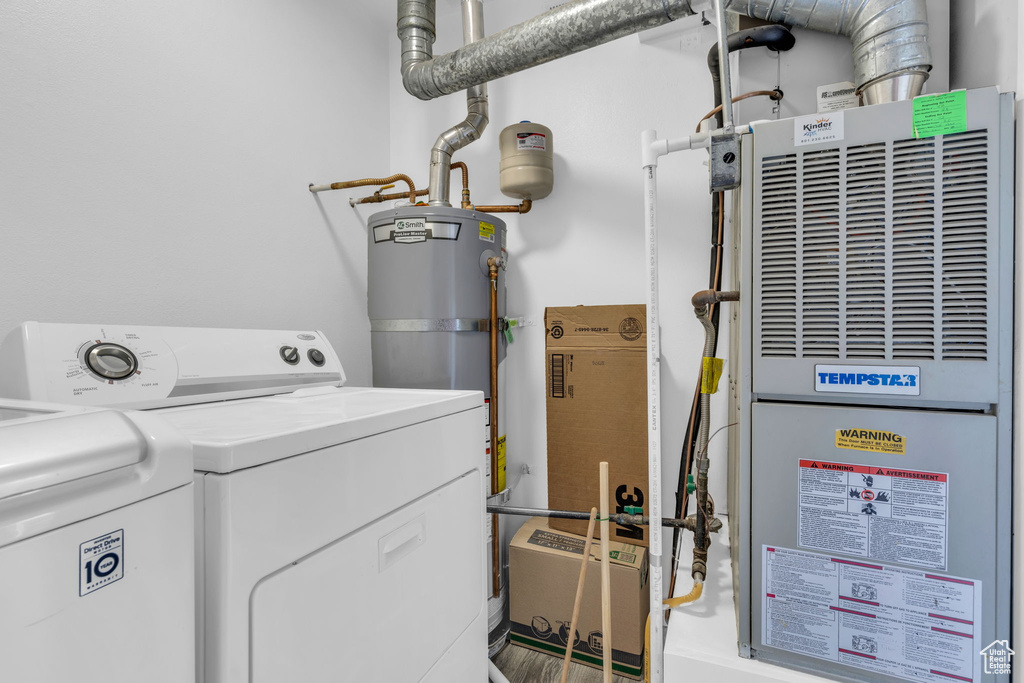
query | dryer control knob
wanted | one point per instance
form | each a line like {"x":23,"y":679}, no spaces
{"x":316,"y":357}
{"x":290,"y":355}
{"x":111,"y":361}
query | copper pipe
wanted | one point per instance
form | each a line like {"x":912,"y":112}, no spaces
{"x":493,"y":264}
{"x":773,"y":94}
{"x":506,"y":208}
{"x":377,"y":197}
{"x":466,"y":203}
{"x":369,"y":181}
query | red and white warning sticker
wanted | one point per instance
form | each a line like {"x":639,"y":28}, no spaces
{"x":908,"y":623}
{"x":880,"y":513}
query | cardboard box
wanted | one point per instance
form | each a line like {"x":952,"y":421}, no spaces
{"x":544,"y":571}
{"x":596,"y":362}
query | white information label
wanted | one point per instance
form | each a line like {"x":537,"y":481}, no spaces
{"x":409,"y":230}
{"x":880,"y":513}
{"x":836,"y":96}
{"x":868,"y":379}
{"x":100,"y":562}
{"x":531,"y":141}
{"x":818,"y":128}
{"x":899,"y":622}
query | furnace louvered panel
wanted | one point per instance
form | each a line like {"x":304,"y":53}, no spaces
{"x":778,"y":256}
{"x":877,"y":251}
{"x":965,"y":282}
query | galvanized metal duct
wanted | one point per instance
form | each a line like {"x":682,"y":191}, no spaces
{"x":891,"y":57}
{"x":890,"y":49}
{"x":470,"y":128}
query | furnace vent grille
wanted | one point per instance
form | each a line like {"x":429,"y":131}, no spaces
{"x":877,"y":251}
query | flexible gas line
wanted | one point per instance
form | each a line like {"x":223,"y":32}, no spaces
{"x":692,"y":596}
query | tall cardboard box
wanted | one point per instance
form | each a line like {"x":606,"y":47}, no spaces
{"x":596,"y":361}
{"x":543,"y":573}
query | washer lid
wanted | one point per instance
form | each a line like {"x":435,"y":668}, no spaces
{"x":234,"y":435}
{"x":63,"y":464}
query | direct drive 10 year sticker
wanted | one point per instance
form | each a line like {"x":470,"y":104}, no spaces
{"x":100,"y":562}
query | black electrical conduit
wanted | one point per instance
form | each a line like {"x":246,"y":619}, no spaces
{"x":776,"y":38}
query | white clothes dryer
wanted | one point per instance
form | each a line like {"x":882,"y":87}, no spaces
{"x":340,"y":531}
{"x":96,"y":547}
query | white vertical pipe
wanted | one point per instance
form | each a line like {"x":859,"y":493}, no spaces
{"x":606,"y":579}
{"x":657,"y":655}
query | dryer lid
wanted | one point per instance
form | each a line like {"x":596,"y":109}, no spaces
{"x":234,"y":435}
{"x":63,"y":464}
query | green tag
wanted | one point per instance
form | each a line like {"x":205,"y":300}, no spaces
{"x":940,"y":114}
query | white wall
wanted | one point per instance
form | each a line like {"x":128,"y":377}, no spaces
{"x":154,"y":158}
{"x":983,"y":44}
{"x":585,"y":243}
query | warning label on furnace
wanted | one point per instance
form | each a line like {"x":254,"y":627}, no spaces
{"x":871,"y":440}
{"x":879,"y":513}
{"x":899,"y":622}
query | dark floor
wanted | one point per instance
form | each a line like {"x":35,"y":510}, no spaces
{"x":527,"y":666}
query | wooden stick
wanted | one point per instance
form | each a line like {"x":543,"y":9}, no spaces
{"x":579,"y":595}
{"x":606,"y":579}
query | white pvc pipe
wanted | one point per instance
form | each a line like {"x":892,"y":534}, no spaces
{"x":494,"y":674}
{"x":657,"y":655}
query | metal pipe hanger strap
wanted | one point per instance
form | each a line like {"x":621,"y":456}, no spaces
{"x":890,"y":37}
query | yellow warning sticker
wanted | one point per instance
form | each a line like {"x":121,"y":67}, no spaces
{"x":711,"y":372}
{"x":871,"y":440}
{"x":486,"y":231}
{"x":501,"y":462}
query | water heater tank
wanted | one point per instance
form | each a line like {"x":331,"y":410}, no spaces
{"x":429,"y":299}
{"x":527,"y":161}
{"x":429,"y":303}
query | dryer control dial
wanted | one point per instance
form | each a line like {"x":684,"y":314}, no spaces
{"x":111,"y":361}
{"x":290,"y":355}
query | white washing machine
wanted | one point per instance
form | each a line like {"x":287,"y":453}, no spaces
{"x":340,"y":531}
{"x":96,"y":549}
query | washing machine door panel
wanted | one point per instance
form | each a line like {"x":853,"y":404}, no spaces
{"x":381,"y":604}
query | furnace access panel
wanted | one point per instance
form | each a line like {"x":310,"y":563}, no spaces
{"x":872,"y":478}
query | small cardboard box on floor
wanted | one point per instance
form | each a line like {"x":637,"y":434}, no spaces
{"x":543,"y":573}
{"x":597,"y":411}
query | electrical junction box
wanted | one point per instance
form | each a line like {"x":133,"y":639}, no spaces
{"x":870,"y":493}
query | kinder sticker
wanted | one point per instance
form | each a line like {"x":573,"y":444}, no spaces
{"x":868,"y":379}
{"x":818,"y":128}
{"x":871,"y":440}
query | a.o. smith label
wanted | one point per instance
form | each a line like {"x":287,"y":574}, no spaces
{"x":871,"y":440}
{"x":818,"y":128}
{"x":898,"y":380}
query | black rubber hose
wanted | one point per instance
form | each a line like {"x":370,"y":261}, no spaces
{"x":776,"y":38}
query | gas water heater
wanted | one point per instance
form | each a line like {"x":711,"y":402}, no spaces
{"x":871,"y":480}
{"x":429,"y":304}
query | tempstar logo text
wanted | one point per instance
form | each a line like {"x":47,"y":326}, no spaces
{"x":868,"y":379}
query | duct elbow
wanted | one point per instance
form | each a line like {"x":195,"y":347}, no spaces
{"x":891,"y":56}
